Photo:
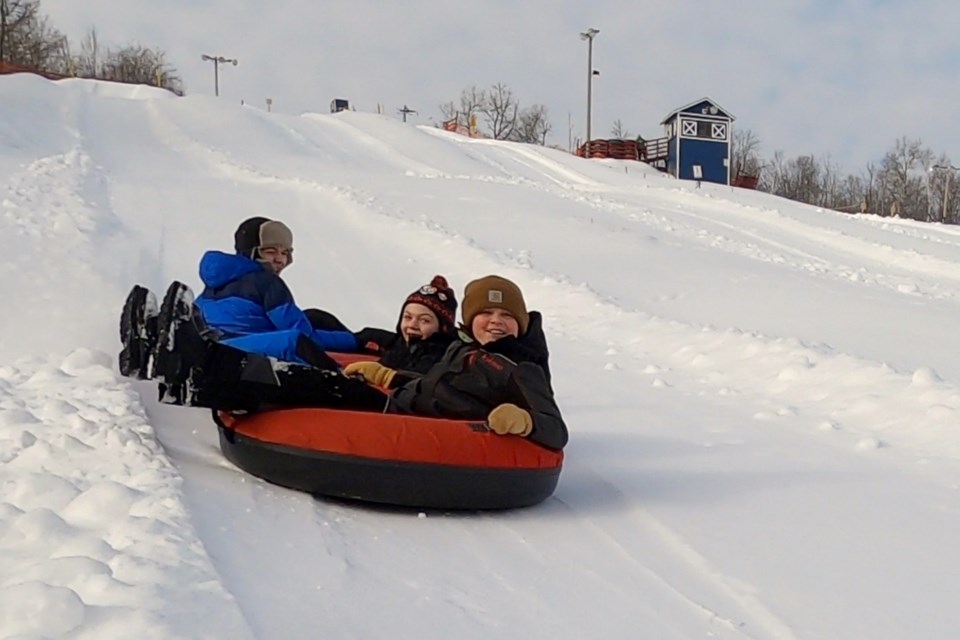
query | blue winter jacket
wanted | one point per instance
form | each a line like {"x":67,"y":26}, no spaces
{"x":254,"y":311}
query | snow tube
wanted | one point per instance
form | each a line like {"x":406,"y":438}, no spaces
{"x":390,"y":459}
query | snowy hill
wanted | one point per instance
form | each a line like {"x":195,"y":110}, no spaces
{"x":762,"y":396}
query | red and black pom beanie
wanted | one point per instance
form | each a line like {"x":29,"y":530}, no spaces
{"x":439,"y":298}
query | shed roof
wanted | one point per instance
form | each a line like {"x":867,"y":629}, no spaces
{"x":697,"y":107}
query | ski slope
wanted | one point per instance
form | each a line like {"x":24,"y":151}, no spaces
{"x":762,"y":396}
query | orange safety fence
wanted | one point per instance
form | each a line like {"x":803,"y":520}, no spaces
{"x":617,"y":149}
{"x":8,"y":68}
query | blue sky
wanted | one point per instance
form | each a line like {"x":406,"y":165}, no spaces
{"x":844,"y":79}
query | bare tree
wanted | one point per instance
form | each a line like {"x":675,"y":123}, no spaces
{"x":829,"y":186}
{"x":470,"y":104}
{"x":771,"y":180}
{"x":141,"y":65}
{"x":943,"y":187}
{"x":618,"y":131}
{"x":903,"y":176}
{"x":804,"y":178}
{"x":745,"y":153}
{"x":44,"y":47}
{"x":448,"y":110}
{"x":851,"y":194}
{"x":533,"y":125}
{"x":26,"y":37}
{"x":14,"y":17}
{"x":88,"y":63}
{"x":869,"y":181}
{"x":500,"y":112}
{"x":899,"y":186}
{"x":500,"y":115}
{"x":794,"y":179}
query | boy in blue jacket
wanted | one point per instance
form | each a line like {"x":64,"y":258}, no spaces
{"x":251,"y":307}
{"x":245,"y":304}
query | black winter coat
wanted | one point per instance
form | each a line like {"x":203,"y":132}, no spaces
{"x":394,"y":352}
{"x":471,"y":380}
{"x":419,"y":355}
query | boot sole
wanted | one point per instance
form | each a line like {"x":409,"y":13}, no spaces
{"x":139,"y":310}
{"x":177,"y":307}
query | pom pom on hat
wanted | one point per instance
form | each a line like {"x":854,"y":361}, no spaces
{"x":439,"y":298}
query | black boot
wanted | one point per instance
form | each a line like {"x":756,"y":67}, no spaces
{"x":180,"y":349}
{"x":138,"y":333}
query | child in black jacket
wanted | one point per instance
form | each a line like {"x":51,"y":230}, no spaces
{"x":497,"y":371}
{"x":424,"y":330}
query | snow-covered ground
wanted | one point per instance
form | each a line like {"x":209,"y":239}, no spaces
{"x":763,"y":397}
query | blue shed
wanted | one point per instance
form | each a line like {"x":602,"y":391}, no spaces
{"x":698,"y":137}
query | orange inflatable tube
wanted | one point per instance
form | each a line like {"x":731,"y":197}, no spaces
{"x":391,"y":459}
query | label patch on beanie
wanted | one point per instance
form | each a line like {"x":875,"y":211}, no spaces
{"x":495,"y":296}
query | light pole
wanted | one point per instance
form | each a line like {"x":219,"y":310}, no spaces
{"x":405,"y":110}
{"x":949,"y":168}
{"x":217,"y":60}
{"x":589,"y":35}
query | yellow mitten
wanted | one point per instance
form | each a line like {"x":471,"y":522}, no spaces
{"x":373,"y":372}
{"x":509,"y":418}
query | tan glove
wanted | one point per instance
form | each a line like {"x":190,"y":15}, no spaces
{"x":373,"y":372}
{"x":509,"y":418}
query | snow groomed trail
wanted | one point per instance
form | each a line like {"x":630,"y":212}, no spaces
{"x":760,"y":394}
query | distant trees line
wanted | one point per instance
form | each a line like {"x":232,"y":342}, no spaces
{"x":27,"y":39}
{"x":910,"y":181}
{"x":498,"y":114}
{"x":901,"y":184}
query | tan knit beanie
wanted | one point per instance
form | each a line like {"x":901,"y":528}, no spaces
{"x":256,"y":233}
{"x":274,"y":233}
{"x":494,"y":292}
